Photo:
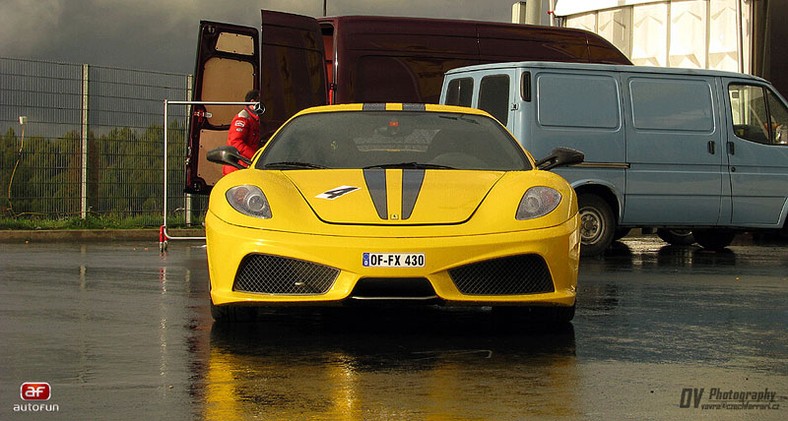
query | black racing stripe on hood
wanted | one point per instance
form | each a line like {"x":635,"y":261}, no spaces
{"x":414,"y":107}
{"x":374,"y":107}
{"x":411,"y":186}
{"x":375,"y":178}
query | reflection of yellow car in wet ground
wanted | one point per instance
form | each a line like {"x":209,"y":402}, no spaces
{"x":425,"y":203}
{"x":380,"y":364}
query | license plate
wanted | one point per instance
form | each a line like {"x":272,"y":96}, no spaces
{"x":393,"y":260}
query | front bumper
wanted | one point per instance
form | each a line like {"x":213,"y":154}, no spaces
{"x":229,"y":245}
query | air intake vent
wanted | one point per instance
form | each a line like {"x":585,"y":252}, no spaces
{"x":515,"y":275}
{"x":281,"y":275}
{"x":393,"y":288}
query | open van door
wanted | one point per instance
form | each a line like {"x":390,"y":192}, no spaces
{"x":294,"y":69}
{"x":228,"y":66}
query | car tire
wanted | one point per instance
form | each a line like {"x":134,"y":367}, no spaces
{"x":559,"y":315}
{"x":535,"y":315}
{"x":713,"y":239}
{"x":783,"y":233}
{"x":597,"y":225}
{"x":233,"y":314}
{"x":676,"y":237}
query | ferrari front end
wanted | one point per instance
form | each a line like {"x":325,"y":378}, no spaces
{"x":356,"y":203}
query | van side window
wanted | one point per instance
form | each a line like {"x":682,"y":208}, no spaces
{"x":460,"y":92}
{"x":673,"y":105}
{"x":586,"y":101}
{"x":494,"y":96}
{"x":778,"y":116}
{"x":758,"y":115}
{"x":525,"y":86}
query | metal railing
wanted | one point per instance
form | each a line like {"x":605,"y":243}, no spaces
{"x":164,"y":235}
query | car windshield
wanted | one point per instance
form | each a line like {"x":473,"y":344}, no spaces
{"x":393,"y":139}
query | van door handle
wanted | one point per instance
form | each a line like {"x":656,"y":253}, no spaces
{"x":711,"y":146}
{"x":731,"y":148}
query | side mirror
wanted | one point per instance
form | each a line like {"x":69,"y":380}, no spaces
{"x":560,"y":157}
{"x":227,"y":155}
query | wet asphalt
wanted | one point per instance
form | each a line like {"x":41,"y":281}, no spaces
{"x":120,"y":331}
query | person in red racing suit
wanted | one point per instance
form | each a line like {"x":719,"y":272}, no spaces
{"x":244,"y":132}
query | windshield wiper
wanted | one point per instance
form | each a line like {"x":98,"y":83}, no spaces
{"x":411,"y":165}
{"x":292,"y":165}
{"x":459,"y":118}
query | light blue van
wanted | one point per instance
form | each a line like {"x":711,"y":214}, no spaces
{"x":695,"y":154}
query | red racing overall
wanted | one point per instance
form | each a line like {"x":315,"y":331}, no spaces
{"x":244,"y":135}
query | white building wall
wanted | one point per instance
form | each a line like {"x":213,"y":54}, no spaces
{"x":711,"y":34}
{"x":650,"y":35}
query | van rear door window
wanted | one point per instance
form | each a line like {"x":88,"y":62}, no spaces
{"x":494,"y":96}
{"x":578,"y":101}
{"x":671,"y":104}
{"x":460,"y":92}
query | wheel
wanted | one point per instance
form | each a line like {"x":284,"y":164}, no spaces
{"x":541,"y":315}
{"x":676,"y":237}
{"x":560,"y":315}
{"x":712,"y":239}
{"x":621,"y":233}
{"x":231,"y":313}
{"x":597,"y":225}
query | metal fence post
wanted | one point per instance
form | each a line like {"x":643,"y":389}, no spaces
{"x":84,"y":177}
{"x":186,"y":136}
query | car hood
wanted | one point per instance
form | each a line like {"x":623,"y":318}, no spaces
{"x":394,"y":196}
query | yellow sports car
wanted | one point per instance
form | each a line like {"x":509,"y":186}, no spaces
{"x":393,"y":202}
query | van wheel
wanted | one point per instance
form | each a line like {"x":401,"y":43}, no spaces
{"x":714,"y":239}
{"x":597,"y":226}
{"x":676,"y":237}
{"x":621,"y":233}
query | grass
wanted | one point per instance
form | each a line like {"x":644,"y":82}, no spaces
{"x":90,"y":222}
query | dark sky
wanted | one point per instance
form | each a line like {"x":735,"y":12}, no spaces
{"x":161,"y":34}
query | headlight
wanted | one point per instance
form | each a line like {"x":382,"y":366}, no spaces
{"x":249,"y":200}
{"x":536,"y":202}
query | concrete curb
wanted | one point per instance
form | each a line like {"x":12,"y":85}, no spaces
{"x":39,"y":236}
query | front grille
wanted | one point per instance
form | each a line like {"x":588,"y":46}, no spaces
{"x":515,"y":275}
{"x":403,"y":288}
{"x":281,"y":275}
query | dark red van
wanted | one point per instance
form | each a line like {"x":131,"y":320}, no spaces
{"x":305,"y":62}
